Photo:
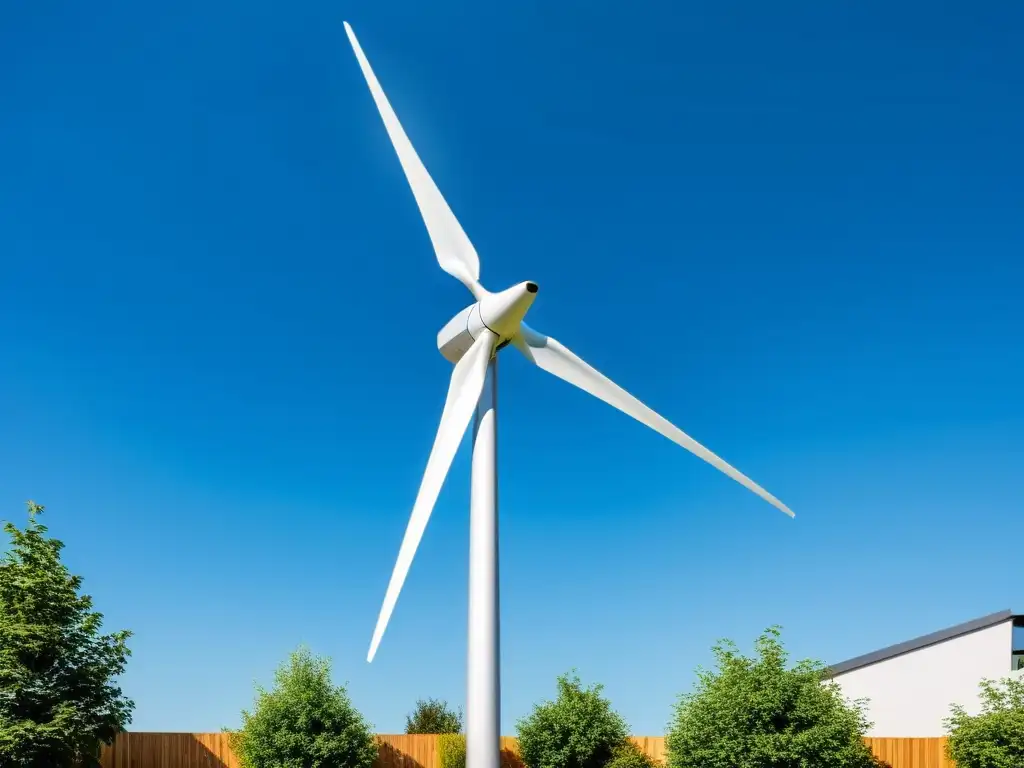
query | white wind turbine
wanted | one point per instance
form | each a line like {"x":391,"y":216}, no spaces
{"x":471,"y":341}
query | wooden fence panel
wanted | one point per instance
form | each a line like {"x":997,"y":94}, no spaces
{"x":654,"y":746}
{"x":509,"y":746}
{"x":404,"y":751}
{"x":169,"y":750}
{"x":211,"y":750}
{"x":911,"y":753}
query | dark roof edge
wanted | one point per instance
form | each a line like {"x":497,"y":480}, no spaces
{"x":920,"y":642}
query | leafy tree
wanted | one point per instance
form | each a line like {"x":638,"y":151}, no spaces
{"x":994,"y":738}
{"x":759,"y":713}
{"x":629,"y":755}
{"x":579,"y":729}
{"x":58,"y":700}
{"x":433,"y":716}
{"x":304,"y":722}
{"x":451,"y":750}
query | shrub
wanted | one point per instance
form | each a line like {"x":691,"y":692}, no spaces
{"x":629,"y":755}
{"x":994,"y":738}
{"x":304,"y":722}
{"x":433,"y":716}
{"x":758,"y":712}
{"x":58,"y":699}
{"x":577,"y":730}
{"x":451,"y":750}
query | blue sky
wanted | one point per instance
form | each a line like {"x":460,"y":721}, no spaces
{"x":794,"y":229}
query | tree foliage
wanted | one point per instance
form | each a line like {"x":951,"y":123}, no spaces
{"x":629,"y":755}
{"x":58,"y":699}
{"x":759,"y":713}
{"x":451,"y":750}
{"x":578,"y":729}
{"x":994,"y":738}
{"x":433,"y":716}
{"x":304,"y":722}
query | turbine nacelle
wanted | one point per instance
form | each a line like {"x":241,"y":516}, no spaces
{"x":500,"y":313}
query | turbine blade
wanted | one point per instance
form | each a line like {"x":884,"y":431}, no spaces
{"x":455,"y":253}
{"x":463,"y":393}
{"x":555,"y":358}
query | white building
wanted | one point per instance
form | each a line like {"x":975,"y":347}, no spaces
{"x":911,"y":685}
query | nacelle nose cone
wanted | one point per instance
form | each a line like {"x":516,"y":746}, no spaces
{"x":503,"y":312}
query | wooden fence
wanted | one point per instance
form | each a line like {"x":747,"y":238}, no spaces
{"x":211,"y":750}
{"x":912,"y":753}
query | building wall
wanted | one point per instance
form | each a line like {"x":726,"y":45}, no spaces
{"x":911,"y":694}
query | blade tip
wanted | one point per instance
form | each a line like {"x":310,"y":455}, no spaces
{"x":374,"y":645}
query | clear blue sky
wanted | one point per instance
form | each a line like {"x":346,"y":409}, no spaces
{"x":793,"y":228}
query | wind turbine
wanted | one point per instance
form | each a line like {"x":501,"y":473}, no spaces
{"x":471,"y":341}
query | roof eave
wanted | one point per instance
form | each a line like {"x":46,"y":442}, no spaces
{"x":924,"y":641}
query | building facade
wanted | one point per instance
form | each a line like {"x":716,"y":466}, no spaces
{"x":912,"y":685}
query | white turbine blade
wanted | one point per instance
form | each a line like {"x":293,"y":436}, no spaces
{"x":553,"y":357}
{"x":463,"y":393}
{"x":455,"y":253}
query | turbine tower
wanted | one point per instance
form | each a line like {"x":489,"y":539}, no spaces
{"x":471,"y":341}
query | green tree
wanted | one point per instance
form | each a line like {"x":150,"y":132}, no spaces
{"x":58,"y":700}
{"x":578,"y":729}
{"x":451,"y":750}
{"x":433,"y":716}
{"x":760,"y":713}
{"x":994,"y":738}
{"x":629,"y":755}
{"x":304,"y":722}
